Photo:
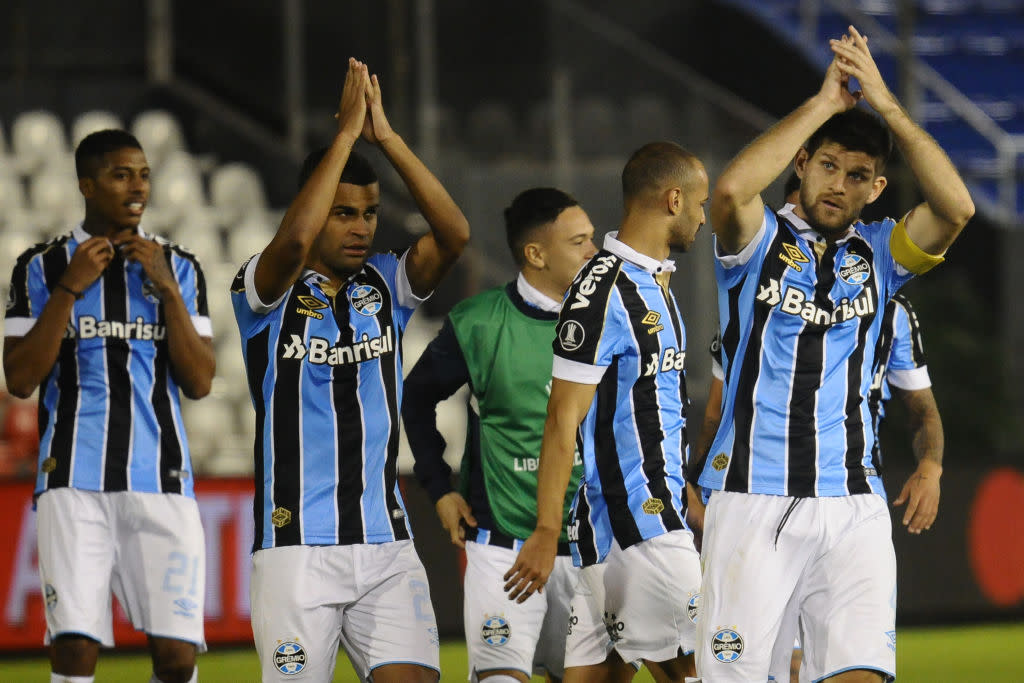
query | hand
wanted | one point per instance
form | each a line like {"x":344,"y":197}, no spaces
{"x":453,"y":510}
{"x":150,"y":255}
{"x":695,"y":509}
{"x":853,"y":58}
{"x":533,"y":565}
{"x":836,"y":89}
{"x":352,"y":108}
{"x":376,"y":128}
{"x":89,"y":261}
{"x":922,"y":490}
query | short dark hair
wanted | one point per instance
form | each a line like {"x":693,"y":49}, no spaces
{"x":531,"y":209}
{"x":857,"y":130}
{"x":91,"y":151}
{"x":791,"y":186}
{"x":654,"y":165}
{"x":357,"y":171}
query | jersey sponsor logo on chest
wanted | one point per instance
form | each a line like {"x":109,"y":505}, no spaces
{"x":588,"y":286}
{"x":670,"y":360}
{"x":91,"y":328}
{"x":795,"y":302}
{"x":320,"y":352}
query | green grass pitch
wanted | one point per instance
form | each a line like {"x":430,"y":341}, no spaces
{"x":976,"y":654}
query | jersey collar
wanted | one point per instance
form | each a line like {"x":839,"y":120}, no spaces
{"x":535,"y":297}
{"x":80,"y":235}
{"x":628,"y":253}
{"x":805,"y":231}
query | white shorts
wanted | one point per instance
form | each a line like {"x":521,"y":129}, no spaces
{"x":640,"y":601}
{"x":772,"y":562}
{"x":372,"y":598}
{"x":503,"y":634}
{"x":146,"y":547}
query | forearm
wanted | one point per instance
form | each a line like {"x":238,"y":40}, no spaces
{"x":927,"y":437}
{"x":191,"y":356}
{"x":447,"y":222}
{"x":29,"y":359}
{"x":556,"y":459}
{"x":419,"y":410}
{"x":941,"y":185}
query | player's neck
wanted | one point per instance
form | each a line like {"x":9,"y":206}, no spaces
{"x":644,"y":234}
{"x":542,"y":284}
{"x":97,"y":226}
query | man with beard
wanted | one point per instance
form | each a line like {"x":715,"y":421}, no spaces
{"x":801,"y":297}
{"x":619,"y":350}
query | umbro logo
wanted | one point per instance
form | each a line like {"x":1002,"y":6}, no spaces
{"x":792,"y":255}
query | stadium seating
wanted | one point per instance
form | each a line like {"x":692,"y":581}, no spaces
{"x":236,"y":192}
{"x":977,"y":45}
{"x":160,"y":135}
{"x":38,"y":141}
{"x":92,"y":121}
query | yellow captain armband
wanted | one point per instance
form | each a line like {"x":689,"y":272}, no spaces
{"x":908,"y":254}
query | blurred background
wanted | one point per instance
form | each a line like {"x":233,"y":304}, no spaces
{"x":227,"y":98}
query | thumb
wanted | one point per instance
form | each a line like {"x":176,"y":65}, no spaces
{"x":903,"y":495}
{"x":467,"y":515}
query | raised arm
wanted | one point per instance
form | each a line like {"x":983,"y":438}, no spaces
{"x":736,"y":205}
{"x":434,"y":253}
{"x":281,"y":262}
{"x":440,"y":371}
{"x":921,"y":492}
{"x":567,"y":406}
{"x":29,"y":359}
{"x":947,"y":206}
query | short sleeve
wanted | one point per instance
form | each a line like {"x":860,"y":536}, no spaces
{"x":26,"y":296}
{"x":589,"y":331}
{"x":250,"y":312}
{"x":192,"y":283}
{"x":731,"y":268}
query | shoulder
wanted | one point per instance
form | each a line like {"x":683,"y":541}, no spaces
{"x":594,"y":284}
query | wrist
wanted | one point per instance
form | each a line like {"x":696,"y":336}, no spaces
{"x":389,"y":142}
{"x":72,"y":291}
{"x":346,"y":138}
{"x":547,"y":531}
{"x":930,"y":467}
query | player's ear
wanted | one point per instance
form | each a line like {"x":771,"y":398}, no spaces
{"x":674,"y":200}
{"x":876,"y":187}
{"x":534,"y":255}
{"x":800,"y":162}
{"x":87,"y":186}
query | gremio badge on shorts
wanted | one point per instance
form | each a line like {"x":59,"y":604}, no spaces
{"x":726,"y":645}
{"x":495,"y":630}
{"x":290,"y":658}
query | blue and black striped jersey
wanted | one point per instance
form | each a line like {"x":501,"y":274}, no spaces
{"x":109,"y":411}
{"x":899,"y":362}
{"x":800,"y":327}
{"x":325,"y":377}
{"x":620,"y":329}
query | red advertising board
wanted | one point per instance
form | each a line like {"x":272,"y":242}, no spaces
{"x":225,"y":506}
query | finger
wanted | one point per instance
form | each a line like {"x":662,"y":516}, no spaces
{"x":903,"y":495}
{"x":912,"y":506}
{"x":511,"y":573}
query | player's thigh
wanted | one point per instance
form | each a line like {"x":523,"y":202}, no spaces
{"x":500,"y":634}
{"x":587,"y":642}
{"x":76,"y":559}
{"x":161,"y":573}
{"x":849,"y":614}
{"x":753,"y":553}
{"x":392,"y":620}
{"x":296,"y":617}
{"x":549,"y":654}
{"x":647,"y":587}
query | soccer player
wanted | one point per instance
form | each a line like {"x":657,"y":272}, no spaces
{"x":110,"y":322}
{"x":321,"y":322}
{"x":619,"y":370}
{"x":500,"y":343}
{"x":800,"y":301}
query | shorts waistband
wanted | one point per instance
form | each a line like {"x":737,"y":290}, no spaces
{"x":496,"y":538}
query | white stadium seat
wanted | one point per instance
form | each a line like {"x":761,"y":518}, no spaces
{"x":55,"y":203}
{"x":37,"y":140}
{"x":236,"y":191}
{"x":160,"y":135}
{"x":177,"y":189}
{"x":91,"y":122}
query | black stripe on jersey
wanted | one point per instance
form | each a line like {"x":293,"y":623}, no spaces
{"x":286,"y":436}
{"x":808,"y":365}
{"x":916,"y":341}
{"x":170,"y":460}
{"x":750,"y":365}
{"x":646,"y":411}
{"x":345,"y":387}
{"x":257,"y":357}
{"x":586,"y":545}
{"x":119,"y":381}
{"x":684,"y":394}
{"x":730,"y":336}
{"x":202,"y":306}
{"x":856,"y":478}
{"x":581,"y":321}
{"x":883,"y":348}
{"x":390,"y":379}
{"x":606,"y":455}
{"x":55,"y":262}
